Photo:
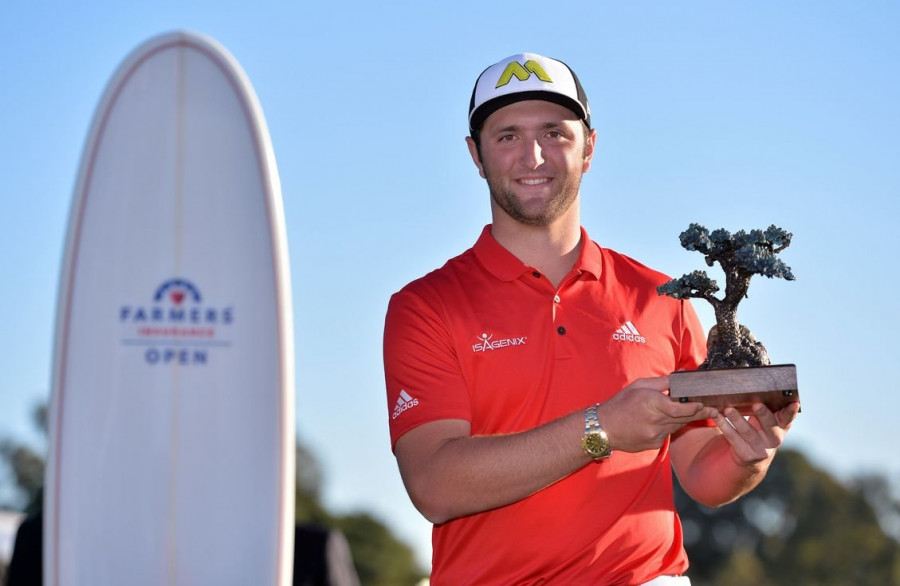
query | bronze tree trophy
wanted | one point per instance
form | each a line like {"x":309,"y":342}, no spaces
{"x":737,"y":371}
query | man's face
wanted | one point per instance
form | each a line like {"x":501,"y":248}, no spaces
{"x":533,"y":154}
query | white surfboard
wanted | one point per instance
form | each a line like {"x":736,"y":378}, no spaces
{"x":172,"y":435}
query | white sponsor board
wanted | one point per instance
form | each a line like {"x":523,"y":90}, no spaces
{"x":172,"y":413}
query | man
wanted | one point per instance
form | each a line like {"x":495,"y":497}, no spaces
{"x":527,"y":378}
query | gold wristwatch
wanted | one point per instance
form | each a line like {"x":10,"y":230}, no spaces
{"x":595,"y":441}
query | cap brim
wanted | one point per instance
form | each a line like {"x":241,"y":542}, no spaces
{"x":481,"y":113}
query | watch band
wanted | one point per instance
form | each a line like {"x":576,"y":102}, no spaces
{"x":595,"y":442}
{"x":590,"y":418}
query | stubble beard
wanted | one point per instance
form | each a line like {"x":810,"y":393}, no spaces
{"x":516,"y":209}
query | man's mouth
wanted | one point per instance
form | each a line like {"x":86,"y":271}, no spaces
{"x":534,"y":180}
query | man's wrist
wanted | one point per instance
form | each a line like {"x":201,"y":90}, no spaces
{"x":595,"y":441}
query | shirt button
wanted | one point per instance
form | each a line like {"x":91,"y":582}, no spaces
{"x":561,"y":331}
{"x":556,"y":299}
{"x":536,"y":275}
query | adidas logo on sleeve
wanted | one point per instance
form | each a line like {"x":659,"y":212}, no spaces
{"x":404,"y":402}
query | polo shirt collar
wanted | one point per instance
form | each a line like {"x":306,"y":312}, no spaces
{"x":505,"y":266}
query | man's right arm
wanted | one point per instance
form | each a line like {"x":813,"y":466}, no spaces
{"x":448,"y":473}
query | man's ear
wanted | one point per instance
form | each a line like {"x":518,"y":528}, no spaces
{"x":589,"y":145}
{"x":473,"y":151}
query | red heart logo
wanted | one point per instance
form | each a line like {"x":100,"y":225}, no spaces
{"x":177,"y":297}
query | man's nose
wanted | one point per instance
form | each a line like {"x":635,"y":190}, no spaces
{"x":531,"y":155}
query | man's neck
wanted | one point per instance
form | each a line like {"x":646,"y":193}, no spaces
{"x":553,"y":250}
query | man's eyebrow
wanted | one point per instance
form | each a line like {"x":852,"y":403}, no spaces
{"x":516,"y":127}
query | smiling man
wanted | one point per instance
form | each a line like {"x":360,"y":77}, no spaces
{"x":527,"y":378}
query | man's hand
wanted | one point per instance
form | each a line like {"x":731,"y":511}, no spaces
{"x":642,"y":415}
{"x":717,"y":465}
{"x":755,"y":439}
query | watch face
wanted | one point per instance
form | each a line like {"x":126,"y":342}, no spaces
{"x":596,"y":444}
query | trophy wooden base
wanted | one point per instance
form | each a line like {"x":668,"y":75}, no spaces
{"x":775,"y":386}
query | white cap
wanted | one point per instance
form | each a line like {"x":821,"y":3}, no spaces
{"x":526,"y":76}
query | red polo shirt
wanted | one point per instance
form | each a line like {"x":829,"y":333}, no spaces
{"x":489,"y":340}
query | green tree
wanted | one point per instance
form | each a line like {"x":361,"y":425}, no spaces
{"x":308,"y":506}
{"x":380,"y":558}
{"x":26,"y":465}
{"x":800,"y":526}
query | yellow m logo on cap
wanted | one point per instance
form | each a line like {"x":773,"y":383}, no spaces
{"x":523,"y":72}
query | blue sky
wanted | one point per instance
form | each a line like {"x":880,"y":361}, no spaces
{"x":730,"y":114}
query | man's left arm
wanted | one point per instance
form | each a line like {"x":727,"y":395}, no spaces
{"x":717,"y":465}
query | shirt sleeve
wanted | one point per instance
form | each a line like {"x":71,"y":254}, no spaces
{"x":422,"y":374}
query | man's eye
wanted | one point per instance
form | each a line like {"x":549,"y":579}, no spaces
{"x":506,"y":137}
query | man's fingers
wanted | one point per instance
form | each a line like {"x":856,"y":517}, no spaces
{"x":786,"y":416}
{"x":766,"y":418}
{"x":656,"y":383}
{"x":685,"y":412}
